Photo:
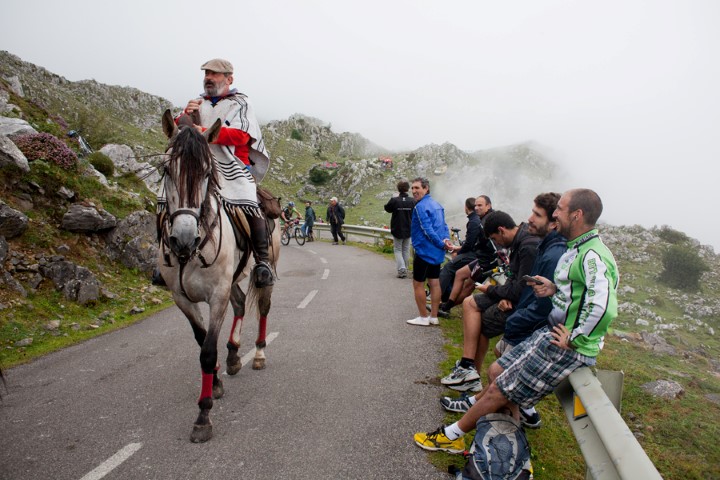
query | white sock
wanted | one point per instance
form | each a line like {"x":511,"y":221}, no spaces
{"x":529,"y":411}
{"x":453,"y":432}
{"x":472,"y":400}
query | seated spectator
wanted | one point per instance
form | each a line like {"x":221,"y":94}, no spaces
{"x":464,"y":278}
{"x":575,"y":330}
{"x":531,"y":312}
{"x":484,"y":313}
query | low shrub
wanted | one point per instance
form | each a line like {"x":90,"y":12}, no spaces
{"x":671,"y":235}
{"x":102,"y":163}
{"x":682,"y":268}
{"x":319,"y":175}
{"x":43,"y":146}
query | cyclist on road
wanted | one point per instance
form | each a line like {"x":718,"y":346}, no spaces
{"x":287,"y":214}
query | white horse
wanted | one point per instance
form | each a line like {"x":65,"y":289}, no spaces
{"x":202,"y":261}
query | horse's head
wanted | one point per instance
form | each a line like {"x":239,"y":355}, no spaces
{"x":190,"y":182}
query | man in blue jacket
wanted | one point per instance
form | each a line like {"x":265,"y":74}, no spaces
{"x":428,"y":232}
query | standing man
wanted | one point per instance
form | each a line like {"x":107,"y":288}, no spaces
{"x":429,"y":232}
{"x":309,"y":221}
{"x":584,"y":299}
{"x":239,"y":151}
{"x":335,"y":216}
{"x":401,"y":208}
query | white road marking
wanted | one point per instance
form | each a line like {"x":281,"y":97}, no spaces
{"x":308,"y":299}
{"x":312,"y":251}
{"x":251,"y":354}
{"x":108,"y":465}
{"x":325,"y":274}
{"x":322,"y":259}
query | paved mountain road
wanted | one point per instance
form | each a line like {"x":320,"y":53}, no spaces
{"x":344,"y":389}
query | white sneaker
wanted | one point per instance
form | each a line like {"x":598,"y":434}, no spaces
{"x":421,"y":321}
{"x":433,"y":321}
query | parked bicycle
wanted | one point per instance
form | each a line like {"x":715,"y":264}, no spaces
{"x":84,"y":145}
{"x":455,"y":236}
{"x":292,"y":229}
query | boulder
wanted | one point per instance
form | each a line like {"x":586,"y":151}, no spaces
{"x":133,"y":241}
{"x":15,"y":126}
{"x":76,"y":283}
{"x":10,"y":154}
{"x":12,"y":222}
{"x":664,"y":389}
{"x":87,"y":218}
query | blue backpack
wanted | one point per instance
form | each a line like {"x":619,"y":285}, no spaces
{"x":500,"y":451}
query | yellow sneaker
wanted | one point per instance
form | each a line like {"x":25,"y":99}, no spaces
{"x":438,"y":441}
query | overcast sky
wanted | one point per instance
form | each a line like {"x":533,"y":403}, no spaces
{"x":626,"y":93}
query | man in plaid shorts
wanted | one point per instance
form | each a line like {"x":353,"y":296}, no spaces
{"x":584,"y":298}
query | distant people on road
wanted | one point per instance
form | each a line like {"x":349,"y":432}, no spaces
{"x":309,"y":221}
{"x":584,"y":299}
{"x":288,"y":212}
{"x":428,"y":232}
{"x":335,"y":216}
{"x":401,"y":207}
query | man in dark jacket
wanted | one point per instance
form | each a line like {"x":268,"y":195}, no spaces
{"x":462,"y":254}
{"x":401,"y":207}
{"x":307,"y":228}
{"x":484,"y":314}
{"x":335,"y":216}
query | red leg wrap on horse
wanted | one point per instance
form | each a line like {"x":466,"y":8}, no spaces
{"x":262,"y":330}
{"x":207,"y":384}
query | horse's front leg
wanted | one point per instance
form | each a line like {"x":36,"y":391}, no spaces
{"x":264,"y":295}
{"x":211,"y":383}
{"x":237,"y":298}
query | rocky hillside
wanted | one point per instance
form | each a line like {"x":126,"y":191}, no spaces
{"x":63,"y":232}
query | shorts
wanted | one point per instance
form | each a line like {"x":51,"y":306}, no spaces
{"x":493,"y":321}
{"x":503,"y":347}
{"x":423,"y":270}
{"x":476,"y":270}
{"x":483,"y":302}
{"x":535,"y":367}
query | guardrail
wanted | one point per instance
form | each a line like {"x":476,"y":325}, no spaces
{"x":592,"y":406}
{"x":380,"y":235}
{"x":591,"y":401}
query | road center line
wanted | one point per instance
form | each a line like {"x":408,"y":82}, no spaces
{"x":108,"y":465}
{"x":308,"y":299}
{"x":251,"y":354}
{"x":325,"y":274}
{"x":322,"y":259}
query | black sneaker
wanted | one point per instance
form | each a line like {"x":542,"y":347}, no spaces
{"x":443,"y":313}
{"x":530,"y":421}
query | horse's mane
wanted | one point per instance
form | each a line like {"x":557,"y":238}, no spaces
{"x":190,"y":160}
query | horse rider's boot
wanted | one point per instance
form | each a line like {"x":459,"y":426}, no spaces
{"x":259,"y":238}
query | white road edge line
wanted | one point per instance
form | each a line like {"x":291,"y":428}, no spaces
{"x":325,"y":274}
{"x":111,"y":463}
{"x":249,"y":355}
{"x":308,"y":299}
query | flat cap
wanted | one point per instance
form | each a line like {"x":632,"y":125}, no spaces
{"x":218,"y":65}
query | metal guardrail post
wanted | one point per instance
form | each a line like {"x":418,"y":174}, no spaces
{"x":610,"y":449}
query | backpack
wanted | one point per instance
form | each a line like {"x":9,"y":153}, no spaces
{"x":500,"y":451}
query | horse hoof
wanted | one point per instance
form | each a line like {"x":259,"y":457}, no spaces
{"x":258,"y":364}
{"x":233,"y":369}
{"x":201,"y":433}
{"x":218,"y":390}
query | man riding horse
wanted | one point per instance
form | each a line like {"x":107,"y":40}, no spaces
{"x":239,"y":151}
